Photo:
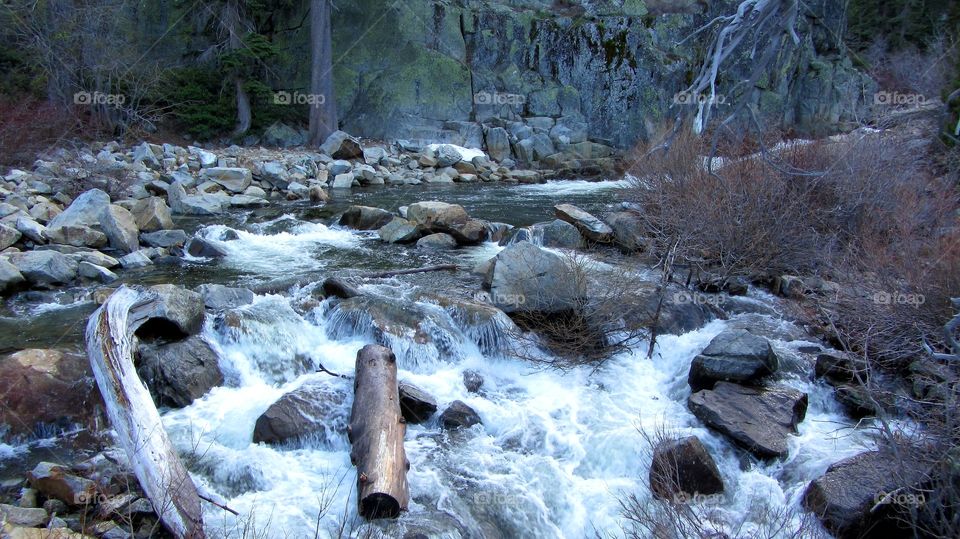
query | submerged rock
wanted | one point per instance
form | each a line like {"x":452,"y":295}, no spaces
{"x":683,"y":468}
{"x":314,"y":410}
{"x":458,"y":415}
{"x":365,"y":218}
{"x":416,"y":405}
{"x":758,"y":420}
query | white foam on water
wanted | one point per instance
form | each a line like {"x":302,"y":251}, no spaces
{"x":560,"y":188}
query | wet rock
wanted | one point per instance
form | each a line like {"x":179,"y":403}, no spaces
{"x":856,"y":400}
{"x":437,"y":242}
{"x":339,"y":288}
{"x":733,"y":356}
{"x":96,"y":273}
{"x":29,"y":378}
{"x":556,"y":234}
{"x":165,"y":238}
{"x":472,"y":232}
{"x":343,"y":181}
{"x":136,"y":259}
{"x":314,"y":410}
{"x":340,"y":145}
{"x":121,"y":229}
{"x":45,"y":268}
{"x":56,"y":481}
{"x":85,"y":210}
{"x":435,"y":215}
{"x":683,"y":468}
{"x":182,"y":204}
{"x":592,"y":228}
{"x":472,"y":380}
{"x":233,"y":179}
{"x":627,"y":230}
{"x":220,"y":298}
{"x":203,"y":248}
{"x":180,"y":372}
{"x":152,"y":214}
{"x":365,"y":218}
{"x":76,"y":236}
{"x":840,"y":368}
{"x":177,"y":313}
{"x":8,"y":235}
{"x":10,"y":277}
{"x":459,"y":415}
{"x":399,"y":231}
{"x":844,"y":497}
{"x":23,"y":516}
{"x":758,"y":420}
{"x":526,"y":278}
{"x":416,"y":405}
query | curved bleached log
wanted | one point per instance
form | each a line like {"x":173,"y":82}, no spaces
{"x":376,"y":434}
{"x":110,"y":345}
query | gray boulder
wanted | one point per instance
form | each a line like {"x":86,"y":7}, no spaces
{"x":315,"y":410}
{"x":96,"y":273}
{"x":437,"y":216}
{"x":9,"y":235}
{"x":28,"y":517}
{"x":85,"y":210}
{"x":365,"y":218}
{"x":76,"y":236}
{"x":220,"y":298}
{"x":136,"y":259}
{"x":498,"y":143}
{"x":121,"y":228}
{"x":399,"y":231}
{"x":152,"y":214}
{"x":275,"y":173}
{"x":339,"y":167}
{"x":233,"y":179}
{"x":592,"y":228}
{"x":627,"y":230}
{"x":58,"y":482}
{"x":183,"y":204}
{"x":340,"y":145}
{"x":202,"y":248}
{"x":165,"y":238}
{"x":733,"y":356}
{"x":10,"y":277}
{"x":555,"y":234}
{"x":447,"y":156}
{"x":176,"y":313}
{"x":683,"y":468}
{"x":437,"y":242}
{"x":416,"y":405}
{"x":458,"y":415}
{"x":758,"y":420}
{"x":44,"y":268}
{"x":343,"y":181}
{"x":526,"y":278}
{"x":180,"y":372}
{"x":31,"y":230}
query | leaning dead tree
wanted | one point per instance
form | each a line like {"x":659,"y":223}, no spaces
{"x":949,"y":337}
{"x":164,"y":479}
{"x":376,"y":433}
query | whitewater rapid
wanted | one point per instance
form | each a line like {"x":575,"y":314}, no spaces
{"x":554,"y":457}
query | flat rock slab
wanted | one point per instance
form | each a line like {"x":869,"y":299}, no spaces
{"x":733,"y":356}
{"x":590,"y":226}
{"x":758,"y":420}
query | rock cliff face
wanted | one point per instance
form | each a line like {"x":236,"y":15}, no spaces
{"x":567,"y":70}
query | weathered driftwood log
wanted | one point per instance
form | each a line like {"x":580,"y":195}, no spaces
{"x":110,"y":346}
{"x":376,"y":432}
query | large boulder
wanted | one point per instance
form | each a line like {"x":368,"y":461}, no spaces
{"x":459,"y":415}
{"x":203,"y":248}
{"x":682,"y":469}
{"x":526,"y":278}
{"x":10,"y":277}
{"x":178,"y":373}
{"x":220,"y":298}
{"x":472,"y":232}
{"x":340,"y":145}
{"x":8,"y":235}
{"x":365,"y":218}
{"x":758,"y":420}
{"x":176,"y":313}
{"x":867,"y":495}
{"x":44,"y":268}
{"x":85,"y":210}
{"x":28,"y":517}
{"x":31,"y":230}
{"x":416,"y":405}
{"x":233,"y":179}
{"x":498,"y":143}
{"x":29,"y":379}
{"x":555,"y":234}
{"x":627,"y":230}
{"x":316,"y":410}
{"x":60,"y":483}
{"x":437,"y":242}
{"x":165,"y":238}
{"x":152,"y":214}
{"x":592,"y":228}
{"x":733,"y":356}
{"x":76,"y":236}
{"x":447,"y":155}
{"x":282,"y":135}
{"x":276,"y":174}
{"x":183,"y":204}
{"x":400,"y":231}
{"x":437,"y":216}
{"x":121,"y":229}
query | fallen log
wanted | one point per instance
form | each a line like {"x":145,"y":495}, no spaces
{"x":387,"y":274}
{"x":376,"y":433}
{"x":110,"y":346}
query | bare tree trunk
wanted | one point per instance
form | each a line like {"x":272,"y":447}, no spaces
{"x":376,"y":432}
{"x":244,"y":115}
{"x":110,"y":345}
{"x":323,"y":110}
{"x":233,"y":21}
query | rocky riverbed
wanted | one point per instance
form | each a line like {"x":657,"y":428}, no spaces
{"x":273,"y":267}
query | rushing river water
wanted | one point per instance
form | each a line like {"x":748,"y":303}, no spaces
{"x":557,"y":451}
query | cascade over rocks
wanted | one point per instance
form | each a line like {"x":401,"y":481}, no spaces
{"x":178,"y":373}
{"x":459,"y":416}
{"x":314,"y":410}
